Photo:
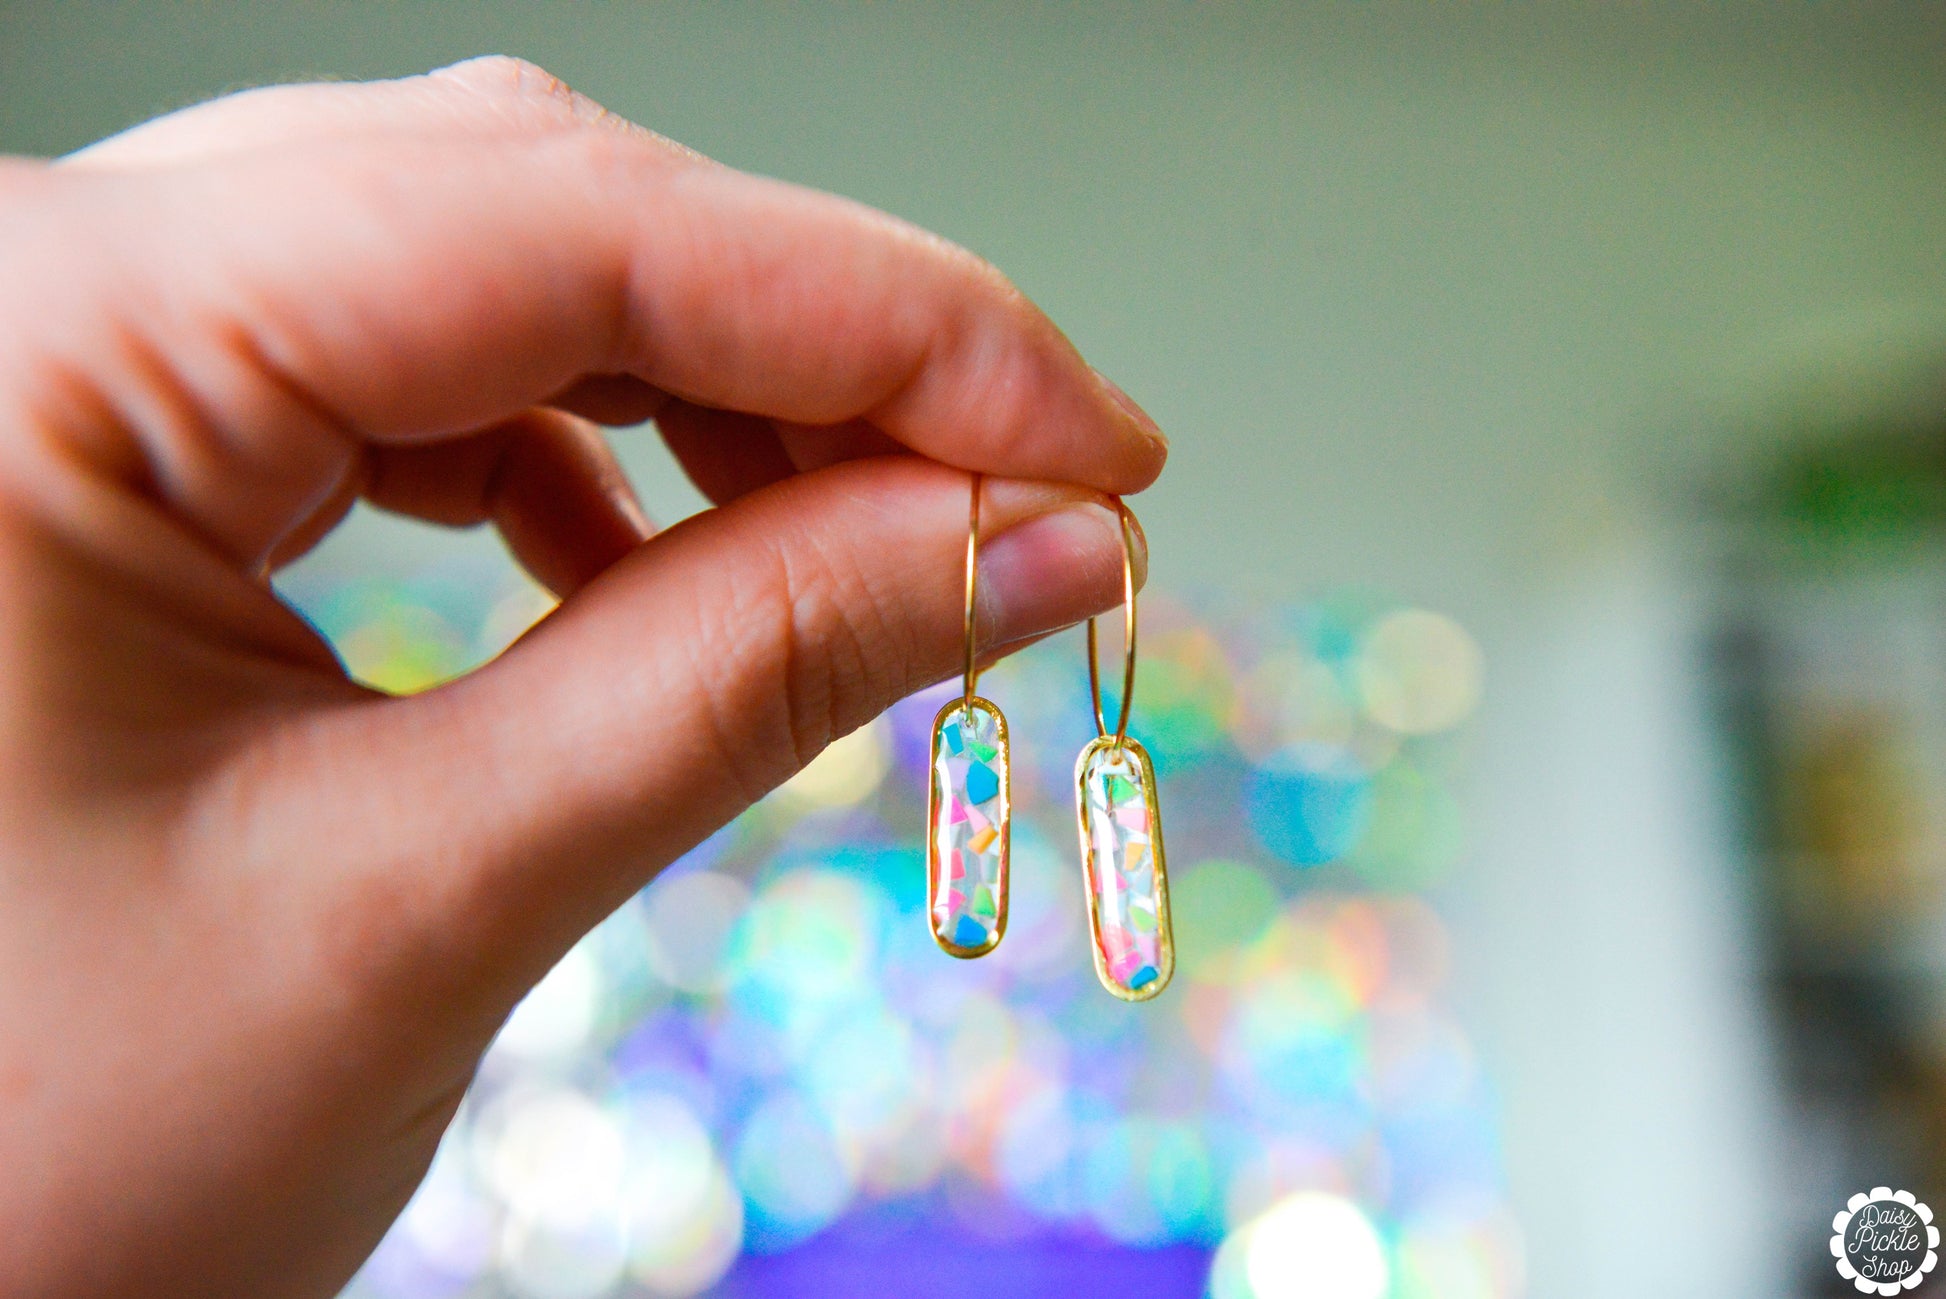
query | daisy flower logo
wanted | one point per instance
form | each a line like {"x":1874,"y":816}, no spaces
{"x":1884,"y":1241}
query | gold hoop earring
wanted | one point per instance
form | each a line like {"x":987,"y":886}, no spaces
{"x":1121,"y":829}
{"x":968,"y":807}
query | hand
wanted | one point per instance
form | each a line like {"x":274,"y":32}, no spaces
{"x":258,"y":923}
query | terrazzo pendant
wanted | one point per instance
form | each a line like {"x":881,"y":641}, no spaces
{"x":967,"y":828}
{"x":1124,"y":869}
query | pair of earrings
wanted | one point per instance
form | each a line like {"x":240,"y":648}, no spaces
{"x":968,"y":814}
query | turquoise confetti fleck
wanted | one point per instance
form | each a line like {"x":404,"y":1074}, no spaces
{"x":981,"y":783}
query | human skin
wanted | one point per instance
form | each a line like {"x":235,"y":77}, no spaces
{"x":257,"y":922}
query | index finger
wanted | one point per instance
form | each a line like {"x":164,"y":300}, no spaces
{"x":406,"y":279}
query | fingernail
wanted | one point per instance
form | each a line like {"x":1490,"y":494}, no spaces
{"x":1136,"y":414}
{"x":1141,"y":556}
{"x":1051,"y":572}
{"x":621,"y":494}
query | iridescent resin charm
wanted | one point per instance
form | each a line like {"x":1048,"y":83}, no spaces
{"x":966,"y":828}
{"x":1121,"y":827}
{"x":1122,"y":861}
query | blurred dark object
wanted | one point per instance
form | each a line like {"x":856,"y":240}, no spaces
{"x":1831,"y":667}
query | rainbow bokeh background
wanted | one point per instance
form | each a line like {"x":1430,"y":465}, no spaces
{"x":759,"y":1077}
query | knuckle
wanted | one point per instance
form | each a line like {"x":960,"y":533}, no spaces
{"x":1015,"y":395}
{"x":747,"y":725}
{"x":817,"y":660}
{"x":987,"y":279}
{"x":527,"y":91}
{"x":820,"y":650}
{"x":987,"y":357}
{"x":613,"y":161}
{"x":1001,"y":387}
{"x":980,"y":291}
{"x":849,"y":650}
{"x":504,"y":75}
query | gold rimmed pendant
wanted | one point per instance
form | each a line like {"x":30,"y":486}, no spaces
{"x":967,"y":827}
{"x":1123,"y":866}
{"x":1127,"y":875}
{"x":967,"y":808}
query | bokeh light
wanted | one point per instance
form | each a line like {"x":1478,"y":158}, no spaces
{"x":794,"y":1175}
{"x":764,"y":1053}
{"x":688,"y":919}
{"x":846,"y":773}
{"x":1310,"y":803}
{"x":1311,"y":1245}
{"x":1419,"y":672}
{"x":555,"y":1019}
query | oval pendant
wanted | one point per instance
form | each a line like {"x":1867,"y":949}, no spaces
{"x":966,"y":828}
{"x":1127,"y":878}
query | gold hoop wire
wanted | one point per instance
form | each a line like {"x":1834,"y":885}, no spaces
{"x":971,"y":675}
{"x":1125,"y":519}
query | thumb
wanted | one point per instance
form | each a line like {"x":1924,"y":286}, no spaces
{"x":703,"y":670}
